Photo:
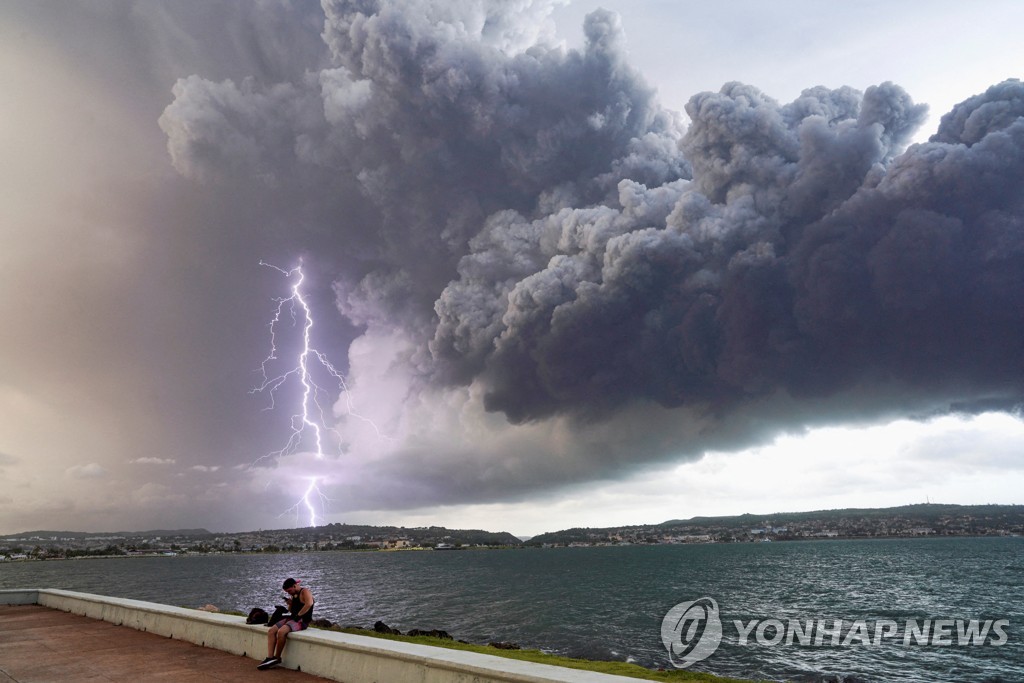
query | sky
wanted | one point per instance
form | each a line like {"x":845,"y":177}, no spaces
{"x":571,"y":264}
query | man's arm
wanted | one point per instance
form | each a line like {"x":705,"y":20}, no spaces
{"x":306,"y":596}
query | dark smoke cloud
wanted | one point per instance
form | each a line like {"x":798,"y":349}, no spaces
{"x":545,"y":232}
{"x":434,"y":117}
{"x":806,"y":256}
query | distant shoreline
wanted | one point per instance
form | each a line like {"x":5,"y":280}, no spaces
{"x":134,"y":556}
{"x":908,"y":521}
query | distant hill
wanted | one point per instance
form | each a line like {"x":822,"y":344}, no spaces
{"x":921,"y":512}
{"x":420,"y":535}
{"x":979,"y":518}
{"x":925,"y":515}
{"x":163,"y":533}
{"x":431,"y":534}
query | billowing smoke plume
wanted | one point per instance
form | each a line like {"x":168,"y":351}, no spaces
{"x":805,"y":256}
{"x":433,"y":118}
{"x":543,"y":232}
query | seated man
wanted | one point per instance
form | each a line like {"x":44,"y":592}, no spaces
{"x":301,"y":606}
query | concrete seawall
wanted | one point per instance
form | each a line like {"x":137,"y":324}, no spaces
{"x":337,"y":656}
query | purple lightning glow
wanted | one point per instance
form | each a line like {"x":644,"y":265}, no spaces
{"x":311,"y":417}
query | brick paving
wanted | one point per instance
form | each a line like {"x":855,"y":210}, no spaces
{"x":43,"y":645}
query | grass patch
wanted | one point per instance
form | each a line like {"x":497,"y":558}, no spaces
{"x":616,"y":668}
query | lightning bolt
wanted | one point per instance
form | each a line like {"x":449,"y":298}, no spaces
{"x":310,"y":420}
{"x":306,"y":502}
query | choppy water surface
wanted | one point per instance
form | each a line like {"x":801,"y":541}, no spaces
{"x":608,"y":603}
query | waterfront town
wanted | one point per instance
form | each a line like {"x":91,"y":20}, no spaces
{"x":929,"y":520}
{"x":56,"y":545}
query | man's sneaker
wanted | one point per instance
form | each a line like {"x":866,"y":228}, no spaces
{"x":269,"y":662}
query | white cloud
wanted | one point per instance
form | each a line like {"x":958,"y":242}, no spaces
{"x":90,"y":471}
{"x":153,"y":461}
{"x":891,"y":464}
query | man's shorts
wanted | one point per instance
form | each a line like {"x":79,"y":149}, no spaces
{"x":294,"y":624}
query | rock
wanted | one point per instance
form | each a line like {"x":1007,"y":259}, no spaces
{"x":505,"y":646}
{"x":322,"y":623}
{"x":381,"y":627}
{"x":209,"y":608}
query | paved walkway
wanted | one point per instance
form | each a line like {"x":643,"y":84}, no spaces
{"x":42,"y":645}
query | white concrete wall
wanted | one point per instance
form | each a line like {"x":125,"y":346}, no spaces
{"x":28,"y":596}
{"x":338,"y":656}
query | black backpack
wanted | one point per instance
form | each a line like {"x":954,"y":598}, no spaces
{"x":257,"y":616}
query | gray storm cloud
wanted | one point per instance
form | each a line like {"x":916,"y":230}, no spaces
{"x":807,"y":255}
{"x":432,"y":118}
{"x":543,"y":229}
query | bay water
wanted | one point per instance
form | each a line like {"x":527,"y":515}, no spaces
{"x":610,"y":602}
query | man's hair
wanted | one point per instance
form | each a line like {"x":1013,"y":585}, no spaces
{"x":288,"y":583}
